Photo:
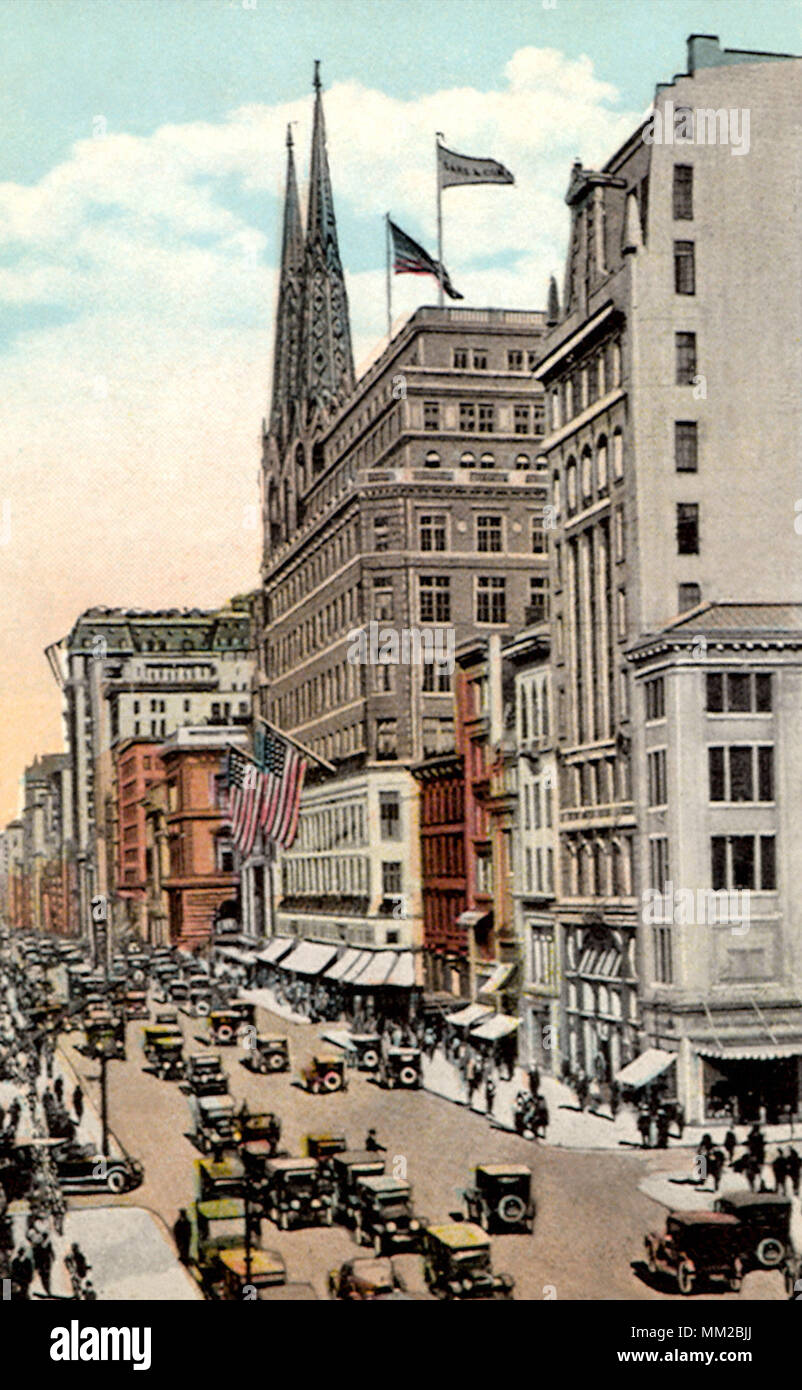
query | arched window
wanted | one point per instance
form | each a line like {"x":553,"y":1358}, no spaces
{"x":570,"y":486}
{"x":487,"y":461}
{"x":432,"y":459}
{"x":467,"y":460}
{"x":618,"y":455}
{"x":555,"y":493}
{"x":601,"y":463}
{"x":556,"y":418}
{"x":300,"y":467}
{"x":616,"y":363}
{"x":587,"y":475}
{"x":569,"y":398}
{"x":522,"y":461}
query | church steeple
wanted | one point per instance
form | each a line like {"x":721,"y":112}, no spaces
{"x":286,"y":354}
{"x":327,"y":364}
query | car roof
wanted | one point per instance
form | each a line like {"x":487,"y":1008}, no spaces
{"x":221,"y":1168}
{"x":504,"y":1170}
{"x":327,"y":1059}
{"x":215,"y":1102}
{"x":347,"y":1157}
{"x":293,"y":1165}
{"x":460,"y":1235}
{"x":754,"y":1199}
{"x":221,"y":1208}
{"x":703,"y":1218}
{"x":196,"y":1057}
{"x":270,"y":1038}
{"x":381,"y":1183}
{"x":262,"y":1261}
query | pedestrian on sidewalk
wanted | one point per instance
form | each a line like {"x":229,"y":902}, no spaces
{"x":780,"y":1170}
{"x":22,"y":1272}
{"x":615,"y":1098}
{"x":582,"y":1089}
{"x":715,"y":1166}
{"x":58,"y":1089}
{"x":490,"y":1094}
{"x":793,"y":1164}
{"x":78,"y":1103}
{"x":43,"y":1260}
{"x":534,"y":1081}
{"x":182,"y":1234}
{"x":730,"y":1144}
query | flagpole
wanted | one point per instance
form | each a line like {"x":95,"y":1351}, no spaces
{"x":437,"y":136}
{"x":307,"y":752}
{"x":389,"y":278}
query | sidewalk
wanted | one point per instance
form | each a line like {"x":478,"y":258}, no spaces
{"x":266,"y":999}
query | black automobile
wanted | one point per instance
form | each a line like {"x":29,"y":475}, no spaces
{"x":367,"y":1051}
{"x":344,"y":1170}
{"x":268,"y":1053}
{"x":80,"y":1168}
{"x":205,"y":1074}
{"x":457,"y":1264}
{"x":501,"y":1198}
{"x":384,"y":1216}
{"x":293,"y":1196}
{"x":401,"y":1067}
{"x":214,"y":1123}
{"x":765,"y":1219}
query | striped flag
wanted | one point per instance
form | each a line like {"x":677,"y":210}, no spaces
{"x":409,"y":258}
{"x":284,"y":769}
{"x":246,"y":788}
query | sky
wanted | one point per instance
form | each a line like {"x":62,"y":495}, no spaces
{"x":141,"y":173}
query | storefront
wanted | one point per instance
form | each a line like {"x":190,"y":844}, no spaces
{"x":751,"y":1082}
{"x":601,"y":999}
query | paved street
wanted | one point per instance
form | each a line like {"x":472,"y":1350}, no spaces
{"x":591,"y":1214}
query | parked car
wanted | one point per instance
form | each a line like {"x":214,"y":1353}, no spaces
{"x":766,"y":1221}
{"x":218,"y":1225}
{"x":501,"y":1198}
{"x":168,"y":1058}
{"x":259,"y":1132}
{"x":80,"y":1168}
{"x":269,"y":1053}
{"x":323,"y":1147}
{"x":214,"y":1123}
{"x":324,"y":1074}
{"x":384,"y":1216}
{"x":219,"y":1179}
{"x":697,"y":1246}
{"x":367,"y":1050}
{"x":229,"y":1273}
{"x":205,"y":1074}
{"x":292,"y":1194}
{"x":344,"y":1171}
{"x":457,"y":1263}
{"x":365,"y":1279}
{"x":401,"y":1067}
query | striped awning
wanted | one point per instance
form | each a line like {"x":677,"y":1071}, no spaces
{"x":402,"y":975}
{"x":498,"y":1026}
{"x":645,"y":1068}
{"x":341,"y":967}
{"x":467,"y":1017}
{"x":749,"y":1052}
{"x":277,"y":948}
{"x":355,"y":967}
{"x":309,"y":958}
{"x":497,"y":979}
{"x":376,"y":968}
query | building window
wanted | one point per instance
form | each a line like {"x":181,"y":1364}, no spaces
{"x":431,"y":415}
{"x":683,"y":192}
{"x":656,"y":777}
{"x":747,"y":768}
{"x":467,"y":417}
{"x":487,"y":417}
{"x":539,"y":417}
{"x":618,"y":456}
{"x":738,"y":694}
{"x":687,"y":528}
{"x":686,"y":446}
{"x":435,"y":598}
{"x":488,"y":534}
{"x":224,"y":854}
{"x":685,"y":355}
{"x":521,"y":419}
{"x":587,"y":476}
{"x":739,"y":862}
{"x":570,"y":486}
{"x":382,"y":600}
{"x":390,"y":815}
{"x":432,"y":459}
{"x":391,"y":878}
{"x":432,"y":532}
{"x":479,"y":360}
{"x":663,"y":963}
{"x":538,"y":536}
{"x":460,"y":358}
{"x":601,"y":465}
{"x":538,"y":598}
{"x":684,"y":267}
{"x":491,"y":599}
{"x":467,"y":460}
{"x":381,"y":533}
{"x":436,"y":678}
{"x":688,"y":596}
{"x":487,"y":461}
{"x":386,"y":739}
{"x":658,"y":861}
{"x":515,"y":360}
{"x":655,"y":698}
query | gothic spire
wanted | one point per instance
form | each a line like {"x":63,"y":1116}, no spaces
{"x":288,"y":314}
{"x":327,"y":363}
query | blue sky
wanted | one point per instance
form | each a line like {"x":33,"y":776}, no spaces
{"x":141,"y":171}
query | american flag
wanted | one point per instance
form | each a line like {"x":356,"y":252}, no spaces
{"x":284,"y":769}
{"x":409,"y":258}
{"x":245,"y":799}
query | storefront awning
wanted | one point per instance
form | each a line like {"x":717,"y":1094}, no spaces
{"x":277,"y":948}
{"x":749,"y":1052}
{"x":495,"y":1027}
{"x":472,"y":918}
{"x":497,"y":979}
{"x":309,"y":958}
{"x":376,"y":969}
{"x":355,"y":967}
{"x":343,"y":965}
{"x":651,"y":1063}
{"x":234,"y":953}
{"x":402,"y":975}
{"x":472,"y":1013}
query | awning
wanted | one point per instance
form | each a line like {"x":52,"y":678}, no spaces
{"x":355,"y":967}
{"x":497,"y":979}
{"x":749,"y":1052}
{"x":309,"y":958}
{"x":470,"y":919}
{"x":498,"y":1026}
{"x":402,"y":975}
{"x":377,"y":968}
{"x":343,"y":965}
{"x":651,"y":1063}
{"x":277,"y":948}
{"x":472,"y":1013}
{"x":234,"y":953}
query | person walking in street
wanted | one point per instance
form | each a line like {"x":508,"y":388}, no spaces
{"x":58,"y":1089}
{"x":780,"y":1170}
{"x":756,"y":1144}
{"x":78,"y":1104}
{"x":730,"y":1144}
{"x":43,"y":1260}
{"x":679,"y":1119}
{"x":541,"y":1116}
{"x":662,"y":1122}
{"x":582,"y":1090}
{"x":182,"y":1234}
{"x":490,"y":1094}
{"x":715,"y":1165}
{"x":534,"y":1081}
{"x":644,"y":1126}
{"x":793,"y":1166}
{"x":372,"y":1143}
{"x":22,"y":1272}
{"x":615,"y":1098}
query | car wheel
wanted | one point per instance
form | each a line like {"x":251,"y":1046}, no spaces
{"x":202,"y":1008}
{"x":408,"y":1076}
{"x":685,"y":1278}
{"x":332,"y":1081}
{"x":224,"y":1034}
{"x":511,"y":1209}
{"x":370,"y":1059}
{"x":275,"y":1061}
{"x":116,"y":1180}
{"x":770,"y":1252}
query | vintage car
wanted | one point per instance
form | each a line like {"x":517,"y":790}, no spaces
{"x":154,"y":1033}
{"x":323,"y":1147}
{"x":501,"y":1198}
{"x":292,"y":1194}
{"x":365,"y":1279}
{"x":324,"y":1074}
{"x":168,"y":1058}
{"x":384,"y":1216}
{"x":236,"y":1274}
{"x":97,"y":1009}
{"x":80,"y":1168}
{"x":261,"y":1132}
{"x":697,"y":1246}
{"x":135,"y":1003}
{"x":225,"y":1024}
{"x":214,"y":1123}
{"x":167,"y":1016}
{"x":344,"y":1170}
{"x":401,"y":1066}
{"x":219,"y":1225}
{"x":223,"y":1178}
{"x":366,"y":1048}
{"x":201,"y":998}
{"x":766,"y":1221}
{"x":457,"y":1264}
{"x":268,"y":1052}
{"x":105,"y":1037}
{"x":178,"y":991}
{"x":205,"y":1074}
